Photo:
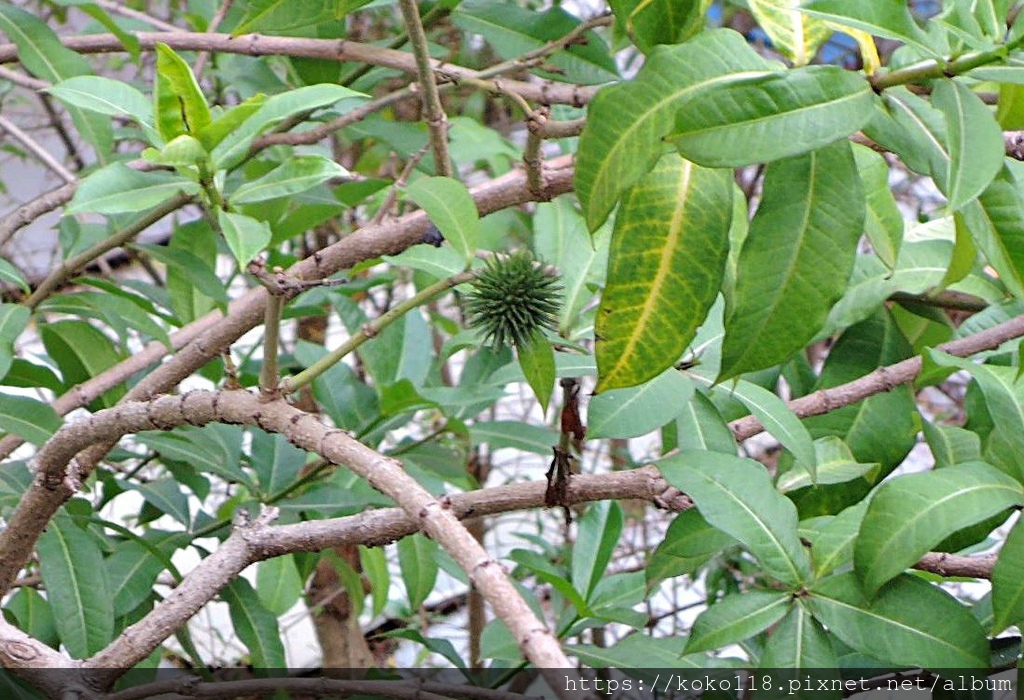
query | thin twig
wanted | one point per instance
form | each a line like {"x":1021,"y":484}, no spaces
{"x":25,"y":81}
{"x":125,"y":11}
{"x":33,"y":147}
{"x":392,"y":195}
{"x":532,"y":152}
{"x":218,"y":17}
{"x":437,"y":120}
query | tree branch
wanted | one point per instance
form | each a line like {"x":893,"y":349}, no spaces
{"x":437,"y":120}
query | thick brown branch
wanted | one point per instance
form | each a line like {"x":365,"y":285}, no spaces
{"x":437,"y":120}
{"x":957,"y":565}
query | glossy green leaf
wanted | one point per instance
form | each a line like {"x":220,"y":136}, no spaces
{"x":883,"y":222}
{"x":284,"y":17}
{"x":221,"y":126}
{"x":599,"y":531}
{"x":834,"y":464}
{"x":71,"y":564}
{"x":911,"y":127}
{"x":653,"y":22}
{"x":909,"y":623}
{"x":118,"y":189}
{"x":82,"y":351}
{"x":802,"y":243}
{"x":689,"y":543}
{"x":133,"y":567}
{"x":767,"y":116}
{"x":793,"y":33}
{"x":832,"y":545}
{"x":1007,"y":583}
{"x":887,"y":18}
{"x":798,"y":643}
{"x":666,"y":262}
{"x":184,"y":150}
{"x":417,"y":558}
{"x":278,"y":584}
{"x":624,"y":413}
{"x":32,"y":615}
{"x":438,"y":262}
{"x":245,"y":236}
{"x":623,"y":137}
{"x":996,"y":222}
{"x":701,"y":427}
{"x":777,"y":418}
{"x":295,"y":175}
{"x":29,"y":419}
{"x":951,"y":444}
{"x":254,"y":624}
{"x":180,"y":104}
{"x":911,"y":514}
{"x":975,"y":143}
{"x":537,"y":358}
{"x":112,"y":98}
{"x":166,"y":495}
{"x":451,"y":208}
{"x":736,"y":618}
{"x":277,"y":462}
{"x":737,"y":496}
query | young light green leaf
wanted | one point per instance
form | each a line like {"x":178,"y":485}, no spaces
{"x":72,"y":567}
{"x":911,"y":514}
{"x":221,"y":126}
{"x":297,"y":174}
{"x":29,"y":419}
{"x":112,"y":98}
{"x":180,"y":104}
{"x":887,"y":18}
{"x":417,"y":558}
{"x":803,"y":240}
{"x":284,"y":17}
{"x":737,"y":496}
{"x":451,"y":208}
{"x":624,"y":413}
{"x":245,"y":236}
{"x":666,"y":262}
{"x":975,"y":143}
{"x":756,"y":118}
{"x":793,"y":33}
{"x":599,"y":531}
{"x":623,"y":137}
{"x":118,"y":189}
{"x":834,"y":464}
{"x":537,"y":358}
{"x":690,"y":541}
{"x":910,"y":622}
{"x":184,"y":151}
{"x":1007,"y":583}
{"x":736,"y":618}
{"x":254,"y":624}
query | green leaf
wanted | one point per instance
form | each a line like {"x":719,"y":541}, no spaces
{"x":794,"y":34}
{"x":72,"y":567}
{"x":736,"y":495}
{"x":910,"y":622}
{"x":245,"y":236}
{"x":184,"y":150}
{"x":832,"y":545}
{"x":451,"y":208}
{"x":599,"y":531}
{"x":180,"y":104}
{"x":666,"y":262}
{"x":701,"y":427}
{"x":133,"y":568}
{"x":639,"y":651}
{"x":118,"y":189}
{"x":1007,"y":583}
{"x":28,"y":418}
{"x":537,"y":358}
{"x":772,"y":115}
{"x":82,"y":351}
{"x":12,"y":275}
{"x":374,"y":565}
{"x":284,"y":17}
{"x":276,"y":462}
{"x":951,"y":444}
{"x":112,"y":98}
{"x":996,"y":222}
{"x":975,"y":143}
{"x":33,"y":615}
{"x":736,"y":618}
{"x":653,"y":22}
{"x":417,"y":558}
{"x":439,"y":262}
{"x":911,"y":127}
{"x":911,"y":514}
{"x":213,"y":449}
{"x":223,"y":125}
{"x":625,"y":413}
{"x":799,"y":642}
{"x":802,"y":245}
{"x":297,"y":174}
{"x":254,"y":624}
{"x":689,"y":542}
{"x":278,"y":584}
{"x":14,"y":319}
{"x":513,"y":434}
{"x":883,"y":222}
{"x":625,"y":125}
{"x":778,"y":420}
{"x":190,"y":267}
{"x":166,"y":495}
{"x":890,"y":19}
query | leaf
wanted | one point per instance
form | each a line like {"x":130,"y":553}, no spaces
{"x":701,"y":427}
{"x":975,"y":143}
{"x":756,"y":118}
{"x":133,"y":567}
{"x":883,"y":222}
{"x":834,"y":462}
{"x":438,"y":262}
{"x":736,"y":496}
{"x":537,"y":358}
{"x":283,"y":17}
{"x":245,"y":236}
{"x":951,"y":444}
{"x":32,"y":614}
{"x":450,"y":208}
{"x":190,"y":267}
{"x":180,"y":104}
{"x":117,"y":189}
{"x":521,"y":436}
{"x":14,"y":319}
{"x":599,"y":531}
{"x":374,"y":565}
{"x":793,"y":33}
{"x":736,"y":618}
{"x":653,"y":22}
{"x":112,"y":98}
{"x":184,"y":150}
{"x":1007,"y":583}
{"x":276,"y":462}
{"x":223,"y":125}
{"x":29,"y":419}
{"x":832,"y":545}
{"x":81,"y":351}
{"x":996,"y":222}
{"x":888,"y":18}
{"x":254,"y":624}
{"x":417,"y":558}
{"x":803,"y":243}
{"x":625,"y":413}
{"x":297,"y":174}
{"x":166,"y":495}
{"x":778,"y":420}
{"x":278,"y":584}
{"x":666,"y":262}
{"x":797,"y":643}
{"x":71,"y":564}
{"x":910,"y":622}
{"x":911,"y":514}
{"x":638,"y":652}
{"x":213,"y":449}
{"x":689,"y":543}
{"x":623,"y":137}
{"x":12,"y":275}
